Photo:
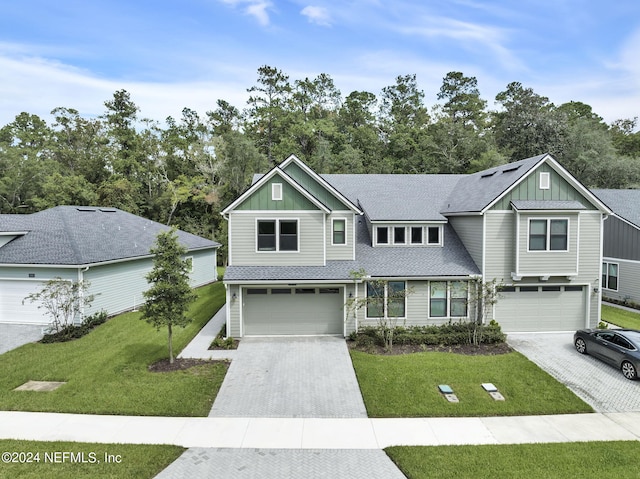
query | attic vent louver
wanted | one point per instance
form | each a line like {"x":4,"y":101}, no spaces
{"x":488,"y":175}
{"x":508,"y":170}
{"x":108,"y":210}
{"x":85,"y":209}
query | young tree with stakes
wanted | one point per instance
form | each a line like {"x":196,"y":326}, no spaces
{"x":170,"y":295}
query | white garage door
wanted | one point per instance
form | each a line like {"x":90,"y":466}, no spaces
{"x":12,"y":293}
{"x":293,"y":311}
{"x":541,"y":308}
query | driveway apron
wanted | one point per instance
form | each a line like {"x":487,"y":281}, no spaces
{"x":13,"y":336}
{"x":290,"y":377}
{"x":601,"y":386}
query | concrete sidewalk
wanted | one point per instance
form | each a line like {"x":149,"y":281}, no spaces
{"x":198,"y":348}
{"x":310,"y":433}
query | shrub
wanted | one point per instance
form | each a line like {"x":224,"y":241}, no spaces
{"x":76,"y":331}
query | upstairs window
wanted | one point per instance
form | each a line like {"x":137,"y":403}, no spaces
{"x":382,"y":235}
{"x":433,"y":235}
{"x":416,"y":235}
{"x":548,"y":235}
{"x":339,"y":232}
{"x":277,"y":235}
{"x":399,"y":235}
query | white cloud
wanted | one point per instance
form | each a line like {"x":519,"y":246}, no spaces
{"x":256,"y":8}
{"x":317,"y":15}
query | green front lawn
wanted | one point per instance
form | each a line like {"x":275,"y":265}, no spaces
{"x":620,"y":317}
{"x":48,"y":459}
{"x":106,"y":371}
{"x":603,"y":460}
{"x":406,"y":385}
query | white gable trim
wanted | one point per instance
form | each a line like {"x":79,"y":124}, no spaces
{"x":558,"y":168}
{"x":322,"y":181}
{"x":275,"y":171}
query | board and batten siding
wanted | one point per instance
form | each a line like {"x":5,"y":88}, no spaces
{"x":345,"y":251}
{"x":243,"y":239}
{"x":469,"y":230}
{"x":628,"y":281}
{"x":538,"y":263}
{"x":621,"y":240}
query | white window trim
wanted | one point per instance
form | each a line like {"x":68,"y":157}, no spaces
{"x":333,"y":222}
{"x":376,"y":235}
{"x":277,"y":250}
{"x":190,"y":258}
{"x":440,"y":234}
{"x":607,"y":263}
{"x":276,"y":191}
{"x":407,"y":235}
{"x":386,"y":298}
{"x":447,"y":299}
{"x":393,"y":229}
{"x":548,"y":241}
{"x":545,"y":180}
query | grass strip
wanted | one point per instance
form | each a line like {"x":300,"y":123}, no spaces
{"x":407,"y":386}
{"x":602,"y":460}
{"x":620,"y":317}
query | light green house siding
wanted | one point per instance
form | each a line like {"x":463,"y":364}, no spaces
{"x":535,"y":263}
{"x":529,"y":189}
{"x":340,"y":251}
{"x":500,"y":245}
{"x":469,"y":230}
{"x":311,"y":185}
{"x":39,"y":273}
{"x":203,"y":267}
{"x":233,"y":311}
{"x":261,"y":199}
{"x":118,"y":286}
{"x":243,"y":240}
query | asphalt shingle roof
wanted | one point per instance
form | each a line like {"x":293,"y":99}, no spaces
{"x":70,"y":235}
{"x":624,"y":203}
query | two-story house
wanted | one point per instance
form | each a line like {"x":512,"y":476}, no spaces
{"x":296,"y":237}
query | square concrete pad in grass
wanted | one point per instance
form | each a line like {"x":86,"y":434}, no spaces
{"x":40,"y":386}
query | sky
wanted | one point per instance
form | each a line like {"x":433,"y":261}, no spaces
{"x":189,"y":53}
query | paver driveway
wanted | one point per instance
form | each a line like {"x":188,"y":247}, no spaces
{"x":290,"y":377}
{"x":601,"y":386}
{"x":15,"y":335}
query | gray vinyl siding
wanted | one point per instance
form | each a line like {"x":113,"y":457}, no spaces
{"x":350,"y":317}
{"x":118,"y":287}
{"x":537,"y":263}
{"x":469,"y":230}
{"x":39,"y":274}
{"x":621,"y":240}
{"x":628,"y":281}
{"x":589,"y":263}
{"x":340,"y":252}
{"x":242,"y":240}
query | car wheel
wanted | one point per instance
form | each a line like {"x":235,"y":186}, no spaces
{"x":629,"y":370}
{"x":581,"y":346}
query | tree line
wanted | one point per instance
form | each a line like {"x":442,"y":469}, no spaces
{"x":184,"y":171}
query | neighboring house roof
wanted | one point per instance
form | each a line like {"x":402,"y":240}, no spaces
{"x":73,"y":235}
{"x":623,"y":203}
{"x":452,"y":259}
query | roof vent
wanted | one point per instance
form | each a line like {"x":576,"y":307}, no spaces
{"x":488,"y":175}
{"x":508,"y":170}
{"x":82,"y":208}
{"x":108,"y":210}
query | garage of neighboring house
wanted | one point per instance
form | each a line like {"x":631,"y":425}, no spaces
{"x":541,"y":308}
{"x":12,"y":309}
{"x":285,"y":310}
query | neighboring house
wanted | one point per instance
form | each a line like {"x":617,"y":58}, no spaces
{"x":621,"y":253}
{"x":106,"y":246}
{"x":295,"y":237}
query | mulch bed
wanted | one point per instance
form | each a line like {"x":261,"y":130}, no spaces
{"x":467,"y":349}
{"x":164,"y":365}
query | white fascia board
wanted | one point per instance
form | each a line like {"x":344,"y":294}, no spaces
{"x":324,"y":183}
{"x":275,"y":171}
{"x":614,"y":215}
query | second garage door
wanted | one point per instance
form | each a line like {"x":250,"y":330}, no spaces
{"x":12,"y":309}
{"x":293,"y":311}
{"x":541,"y":308}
